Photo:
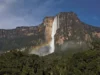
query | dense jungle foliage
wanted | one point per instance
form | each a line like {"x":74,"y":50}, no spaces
{"x":81,"y":63}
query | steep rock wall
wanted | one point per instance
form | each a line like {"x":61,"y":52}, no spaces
{"x":48,"y":21}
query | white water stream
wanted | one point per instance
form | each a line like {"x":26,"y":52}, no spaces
{"x":54,"y":29}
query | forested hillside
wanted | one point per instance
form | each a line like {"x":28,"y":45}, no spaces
{"x":81,"y":63}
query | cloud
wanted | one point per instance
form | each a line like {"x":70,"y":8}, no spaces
{"x":5,"y":4}
{"x":95,"y":18}
{"x":15,"y":13}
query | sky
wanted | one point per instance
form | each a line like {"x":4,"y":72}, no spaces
{"x":14,"y":13}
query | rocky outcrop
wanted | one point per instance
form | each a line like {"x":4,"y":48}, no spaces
{"x":20,"y":31}
{"x":21,"y":37}
{"x":48,"y":21}
{"x":96,"y":34}
{"x":70,"y":31}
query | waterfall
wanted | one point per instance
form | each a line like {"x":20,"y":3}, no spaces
{"x":54,"y":28}
{"x":48,"y":49}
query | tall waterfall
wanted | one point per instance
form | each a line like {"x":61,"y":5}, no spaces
{"x":54,"y":28}
{"x":48,"y":49}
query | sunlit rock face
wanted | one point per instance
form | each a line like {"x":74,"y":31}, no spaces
{"x":96,"y":34}
{"x":20,"y":31}
{"x":66,"y":31}
{"x":73,"y":33}
{"x":62,"y":31}
{"x":51,"y":26}
{"x":48,"y":21}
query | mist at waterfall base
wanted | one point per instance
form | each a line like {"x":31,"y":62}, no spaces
{"x":73,"y":46}
{"x":48,"y":49}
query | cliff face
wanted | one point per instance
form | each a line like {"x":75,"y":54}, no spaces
{"x":48,"y":21}
{"x":20,"y":32}
{"x":22,"y":37}
{"x":71,"y":31}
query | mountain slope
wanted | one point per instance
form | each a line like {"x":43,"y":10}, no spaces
{"x":21,"y":37}
{"x":71,"y":33}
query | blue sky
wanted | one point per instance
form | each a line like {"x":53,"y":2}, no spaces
{"x":15,"y":13}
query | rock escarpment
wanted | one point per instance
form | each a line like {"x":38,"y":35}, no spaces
{"x":74,"y":33}
{"x":71,"y":32}
{"x":22,"y":37}
{"x":48,"y":21}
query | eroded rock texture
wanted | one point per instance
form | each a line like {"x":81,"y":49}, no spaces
{"x":71,"y":32}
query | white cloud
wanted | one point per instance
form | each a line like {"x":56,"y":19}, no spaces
{"x":15,"y":13}
{"x":5,"y":4}
{"x":95,"y":18}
